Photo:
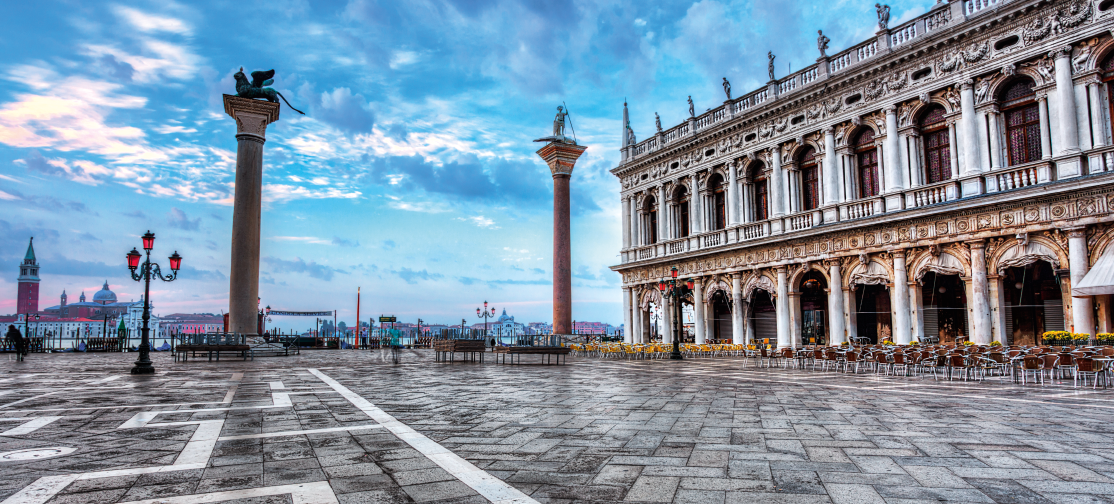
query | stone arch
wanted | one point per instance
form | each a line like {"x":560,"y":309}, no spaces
{"x":647,"y":296}
{"x":750,"y":164}
{"x":647,"y":201}
{"x":759,"y":281}
{"x":919,"y":107}
{"x":674,"y":192}
{"x":999,"y":84}
{"x":714,"y":284}
{"x":869,"y":271}
{"x":1099,"y":53}
{"x":851,"y":139}
{"x":799,"y":149}
{"x":945,"y":262}
{"x":1100,"y":243}
{"x":797,"y":274}
{"x":1026,"y":251}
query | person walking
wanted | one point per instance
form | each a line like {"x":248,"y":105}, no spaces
{"x":16,"y":340}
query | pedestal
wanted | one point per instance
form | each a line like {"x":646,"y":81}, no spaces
{"x":561,"y":156}
{"x":252,"y":118}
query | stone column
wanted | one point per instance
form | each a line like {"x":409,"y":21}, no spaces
{"x":1098,"y":128}
{"x":627,"y":318}
{"x":709,"y":323}
{"x":696,"y":206}
{"x":902,"y":326}
{"x":782,"y":309}
{"x":997,"y":311}
{"x":749,"y":320}
{"x":252,"y":118}
{"x":795,"y":320}
{"x":1046,"y":133}
{"x":732,"y":194}
{"x":970,"y":130}
{"x":916,"y":305}
{"x":835,"y":304}
{"x":952,"y":144}
{"x":1082,"y":314}
{"x":644,"y":334}
{"x":980,"y":294}
{"x":894,"y":176}
{"x":852,"y":313}
{"x":561,"y":156}
{"x":1065,"y":93}
{"x":662,"y":217}
{"x":995,"y":150}
{"x":667,"y":320}
{"x":626,"y":222}
{"x":831,"y":169}
{"x":737,"y":336}
{"x":636,"y":323}
{"x":776,"y":185}
{"x":745,"y":211}
{"x":698,"y":309}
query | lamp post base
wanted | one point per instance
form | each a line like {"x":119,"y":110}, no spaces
{"x":676,"y":356}
{"x":143,"y":368}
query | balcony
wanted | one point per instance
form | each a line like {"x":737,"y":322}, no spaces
{"x":939,"y":192}
{"x":677,"y":246}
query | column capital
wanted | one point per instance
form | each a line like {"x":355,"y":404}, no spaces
{"x":832,"y":262}
{"x":561,"y":157}
{"x":976,"y":244}
{"x":1060,"y":52}
{"x":781,"y":269}
{"x":890,"y":109}
{"x":1076,"y":231}
{"x":898,"y":253}
{"x":966,"y":85}
{"x":252,"y":116}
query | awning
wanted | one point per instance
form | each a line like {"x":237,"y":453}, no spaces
{"x":1098,"y":281}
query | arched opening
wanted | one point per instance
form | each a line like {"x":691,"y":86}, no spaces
{"x":763,"y":318}
{"x":1033,"y":304}
{"x":721,"y":317}
{"x":1107,"y":67}
{"x":717,"y":192}
{"x":872,"y":309}
{"x":945,"y":308}
{"x":688,"y":320}
{"x":680,"y":212}
{"x":810,"y":175}
{"x":866,"y":155}
{"x":937,"y":145}
{"x":650,"y":220}
{"x":814,"y":308}
{"x":1022,"y":114}
{"x":761,"y":204}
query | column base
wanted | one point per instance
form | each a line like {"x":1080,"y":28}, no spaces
{"x":894,"y":201}
{"x":777,"y":225}
{"x":1068,"y":166}
{"x":971,"y":185}
{"x":831,"y":213}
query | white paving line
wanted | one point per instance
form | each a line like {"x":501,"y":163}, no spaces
{"x":298,"y":433}
{"x":318,"y":492}
{"x":25,"y":400}
{"x":490,"y":487}
{"x":29,"y":427}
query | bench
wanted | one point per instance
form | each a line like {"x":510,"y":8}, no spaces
{"x":446,"y":350}
{"x":547,"y":353}
{"x":211,"y":344}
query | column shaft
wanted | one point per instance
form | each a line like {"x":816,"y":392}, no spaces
{"x":1082,"y":314}
{"x":980,"y":292}
{"x":835,"y":304}
{"x":782,"y":309}
{"x":737,"y":309}
{"x":970,"y":130}
{"x":732,"y":194}
{"x":1046,"y":133}
{"x":698,"y":310}
{"x":627,"y":318}
{"x":626,"y":222}
{"x":902,"y":326}
{"x":894,"y":176}
{"x":775,"y":189}
{"x":1098,"y":129}
{"x":243,"y":290}
{"x":995,"y":150}
{"x":562,"y":256}
{"x":1065,"y":93}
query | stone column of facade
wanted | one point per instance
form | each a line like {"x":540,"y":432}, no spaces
{"x":795,"y":319}
{"x":745,"y":211}
{"x":997,"y":298}
{"x":737,"y":329}
{"x":636,"y":323}
{"x":970,"y":130}
{"x":252,"y":118}
{"x":732,"y":194}
{"x":667,"y":320}
{"x":916,"y":307}
{"x":995,"y":150}
{"x":663,"y":219}
{"x":561,"y":157}
{"x":694,"y":212}
{"x":627,"y":318}
{"x":626,"y":222}
{"x":895,"y":180}
{"x":749,"y":321}
{"x":980,"y":295}
{"x":698,"y":309}
{"x":955,"y":154}
{"x":1046,"y":132}
{"x":647,"y":328}
{"x":852,"y":313}
{"x":903,"y":333}
{"x":835,"y":304}
{"x":1065,"y":101}
{"x":784,"y":339}
{"x":1098,"y":128}
{"x":1082,"y":314}
{"x":776,"y":186}
{"x":831,"y":171}
{"x":709,"y":323}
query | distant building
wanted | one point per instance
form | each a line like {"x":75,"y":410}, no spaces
{"x":27,"y":300}
{"x":192,"y":323}
{"x":505,"y":324}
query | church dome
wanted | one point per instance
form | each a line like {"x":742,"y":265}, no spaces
{"x":104,"y":296}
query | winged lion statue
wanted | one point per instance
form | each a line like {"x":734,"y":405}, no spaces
{"x":255,"y":89}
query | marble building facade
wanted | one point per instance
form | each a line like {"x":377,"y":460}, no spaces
{"x":948,"y":179}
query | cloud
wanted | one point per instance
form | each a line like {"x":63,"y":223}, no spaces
{"x":341,"y":242}
{"x":177,"y":218}
{"x":149,"y":23}
{"x":299,"y":265}
{"x":49,"y":203}
{"x":135,"y":214}
{"x":87,"y":236}
{"x":345,"y":110}
{"x":411,"y":276}
{"x":389,"y":245}
{"x":83,"y":172}
{"x":583,"y":274}
{"x":479,"y":221}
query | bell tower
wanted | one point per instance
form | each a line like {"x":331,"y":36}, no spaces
{"x":28,"y":299}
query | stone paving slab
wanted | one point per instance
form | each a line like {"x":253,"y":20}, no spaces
{"x":704,"y":430}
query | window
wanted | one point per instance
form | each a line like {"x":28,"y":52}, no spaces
{"x":937,"y":146}
{"x":761,"y":192}
{"x":1023,"y":127}
{"x":718,"y":218}
{"x":650,"y":224}
{"x":1108,"y":78}
{"x":681,"y":214}
{"x":810,"y":170}
{"x":867,"y":156}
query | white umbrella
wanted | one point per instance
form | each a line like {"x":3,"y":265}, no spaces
{"x":1098,"y":281}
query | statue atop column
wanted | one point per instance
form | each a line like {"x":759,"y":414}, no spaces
{"x":727,"y":88}
{"x":657,"y":121}
{"x":771,"y":66}
{"x":883,"y":15}
{"x":559,"y":122}
{"x":822,"y":43}
{"x":692,"y":110}
{"x":255,"y":89}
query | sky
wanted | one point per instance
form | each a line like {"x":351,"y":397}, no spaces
{"x":412,"y":175}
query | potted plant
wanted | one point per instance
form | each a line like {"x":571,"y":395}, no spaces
{"x":1104,"y":339}
{"x":1056,"y":338}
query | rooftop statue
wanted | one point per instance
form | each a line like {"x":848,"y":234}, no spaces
{"x":255,"y":89}
{"x":822,"y":43}
{"x":727,"y":88}
{"x":771,"y":67}
{"x":657,"y":121}
{"x":883,"y":15}
{"x":692,"y":110}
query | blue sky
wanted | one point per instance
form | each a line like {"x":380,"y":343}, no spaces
{"x":413,"y":174}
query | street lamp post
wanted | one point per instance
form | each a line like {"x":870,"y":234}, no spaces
{"x":675,"y":291}
{"x":485,"y":315}
{"x":149,"y":269}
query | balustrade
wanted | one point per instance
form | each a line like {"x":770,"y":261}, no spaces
{"x":802,"y":221}
{"x":752,"y":231}
{"x":676,"y":247}
{"x":713,"y":239}
{"x":931,"y":195}
{"x":860,"y":209}
{"x":646,"y":253}
{"x":1015,"y":179}
{"x":974,"y":6}
{"x":903,"y":34}
{"x":868,"y":50}
{"x":839,"y":62}
{"x":787,"y":85}
{"x":810,"y":75}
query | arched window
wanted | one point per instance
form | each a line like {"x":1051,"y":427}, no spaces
{"x":937,"y":146}
{"x":810,"y":172}
{"x":1023,"y":126}
{"x":650,"y":222}
{"x":718,"y":190}
{"x":866,"y":155}
{"x":1108,"y":77}
{"x":761,"y":202}
{"x":681,"y":211}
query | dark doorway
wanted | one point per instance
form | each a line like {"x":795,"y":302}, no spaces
{"x":945,"y":308}
{"x":1033,"y":303}
{"x":763,"y":317}
{"x":814,"y":306}
{"x":721,"y":317}
{"x":872,"y":306}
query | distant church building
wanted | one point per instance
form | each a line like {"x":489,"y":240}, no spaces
{"x":104,"y":301}
{"x":28,"y":297}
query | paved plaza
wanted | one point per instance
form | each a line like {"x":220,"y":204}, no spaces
{"x":345,"y":426}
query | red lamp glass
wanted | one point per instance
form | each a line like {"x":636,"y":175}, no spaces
{"x":661,"y":286}
{"x":674,"y":272}
{"x":477,"y":311}
{"x":175,"y":261}
{"x":148,"y":241}
{"x":690,"y":284}
{"x":133,"y":259}
{"x":493,"y":310}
